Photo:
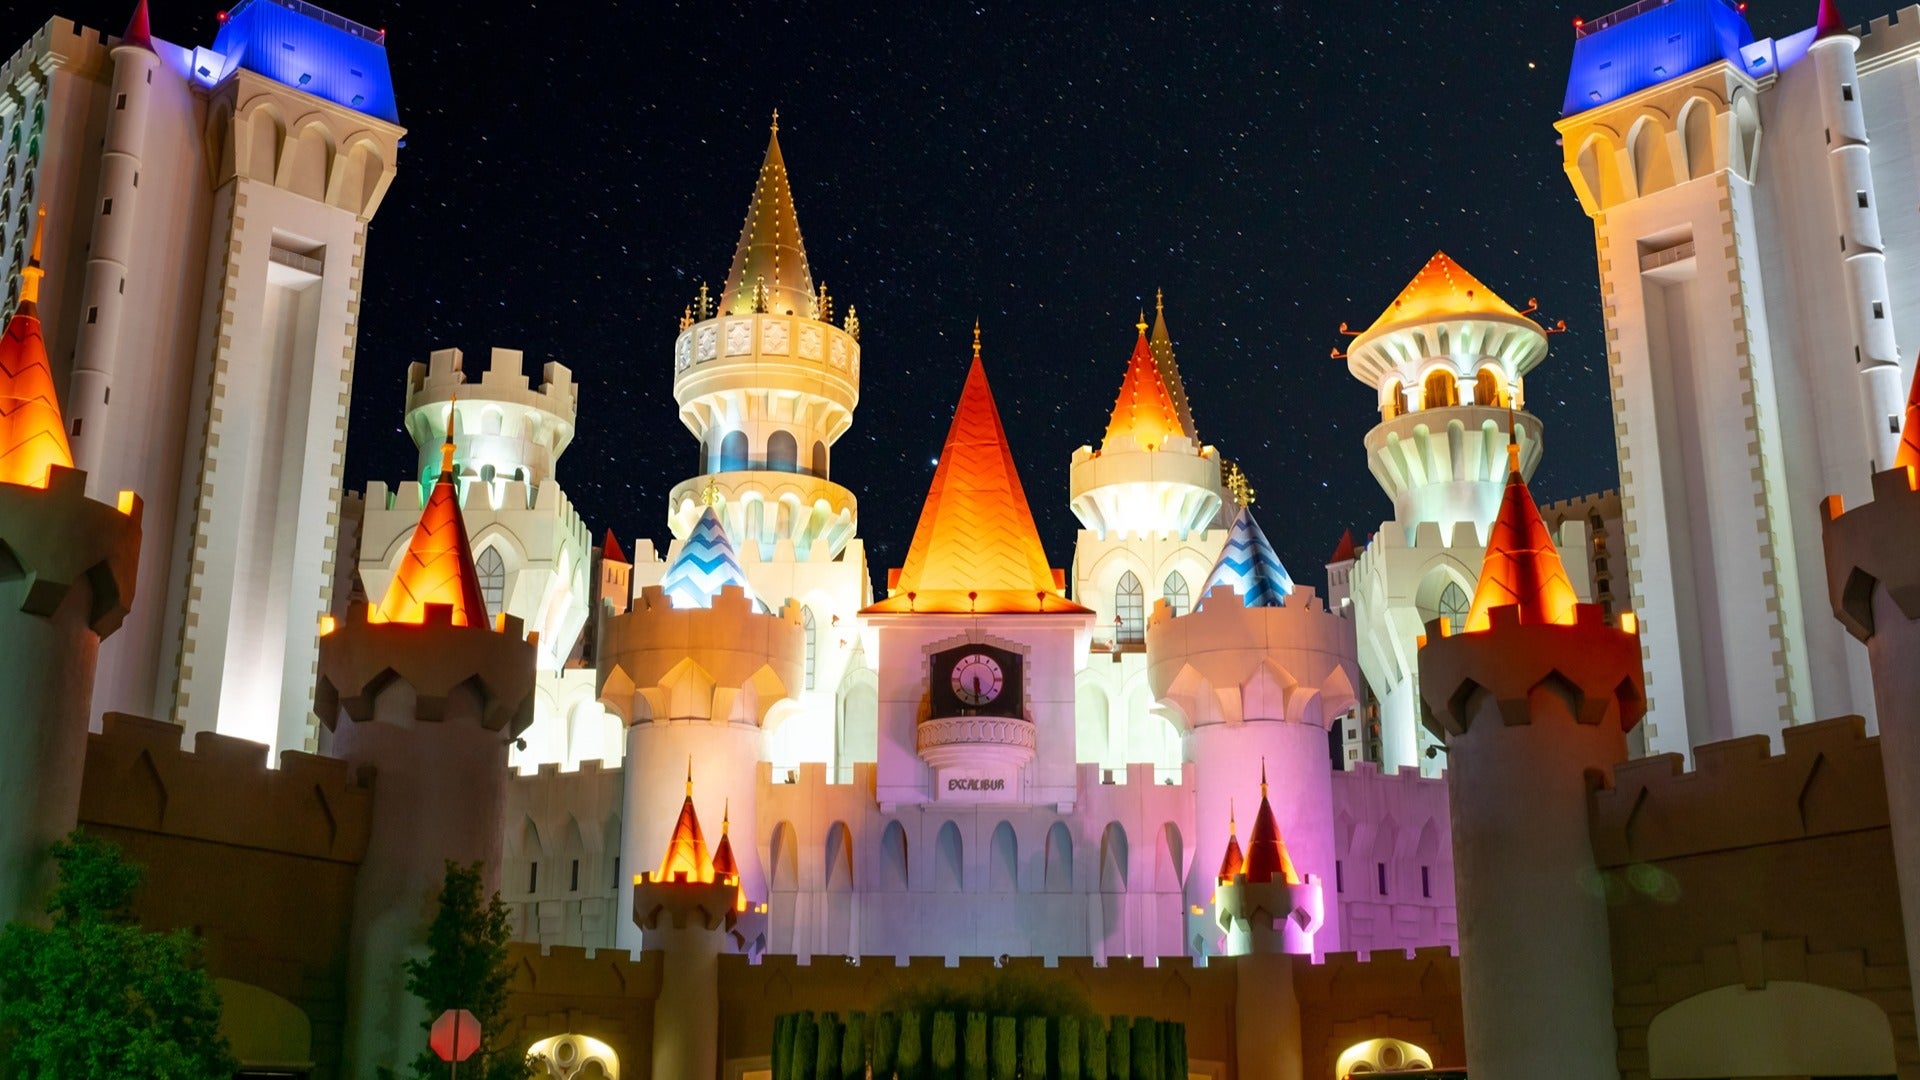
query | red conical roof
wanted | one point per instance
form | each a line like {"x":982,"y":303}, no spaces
{"x":1267,"y":856}
{"x":438,"y":565}
{"x":1522,"y":566}
{"x":687,"y":848}
{"x":1232,"y":862}
{"x":1345,"y":551}
{"x":139,"y":30}
{"x":1144,"y":411}
{"x":610,"y":549}
{"x":1909,"y":452}
{"x":725,"y":867}
{"x":33,"y":435}
{"x":1829,"y":21}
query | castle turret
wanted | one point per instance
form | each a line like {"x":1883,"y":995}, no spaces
{"x":1162,"y":345}
{"x":67,"y":567}
{"x":1265,"y":905}
{"x":767,"y":384}
{"x":1534,"y":696}
{"x":426,"y":691}
{"x":693,"y":668}
{"x":1255,"y":677}
{"x":1873,"y":582}
{"x":691,"y":910}
{"x":1149,"y":476}
{"x":1447,"y":362}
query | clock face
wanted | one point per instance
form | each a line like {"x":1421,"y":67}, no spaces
{"x":977,"y":679}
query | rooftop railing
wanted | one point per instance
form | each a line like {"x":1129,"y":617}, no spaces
{"x":1583,"y":27}
{"x":318,"y":14}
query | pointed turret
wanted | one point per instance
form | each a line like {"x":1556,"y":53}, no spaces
{"x":770,"y":271}
{"x":1908,"y":454}
{"x":1144,"y":411}
{"x":976,"y":547}
{"x":1233,"y":862}
{"x":1345,"y":550}
{"x":611,"y":550}
{"x":139,"y":33}
{"x":725,"y":868}
{"x":1267,"y":857}
{"x":1829,"y":21}
{"x":1162,"y":343}
{"x":705,"y":564}
{"x":1249,"y":566}
{"x":1441,"y":288}
{"x":1522,"y":566}
{"x":687,"y":848}
{"x":33,"y":436}
{"x":438,"y":565}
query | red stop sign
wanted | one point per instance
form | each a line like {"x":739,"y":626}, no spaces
{"x":455,"y":1036}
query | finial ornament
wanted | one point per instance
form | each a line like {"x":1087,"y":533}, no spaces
{"x":1238,"y":484}
{"x":776,"y":121}
{"x":31,"y":274}
{"x":1233,"y":826}
{"x":690,"y":776}
{"x":710,"y":494}
{"x":726,"y":815}
{"x":1141,"y":325}
{"x":976,"y":339}
{"x":1159,"y":302}
{"x":446,"y":448}
{"x":1263,"y":776}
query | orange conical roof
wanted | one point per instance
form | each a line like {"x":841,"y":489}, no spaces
{"x":1162,"y":343}
{"x":1267,"y":856}
{"x":1232,"y":862}
{"x":725,"y":867}
{"x":976,"y":547}
{"x":1909,"y":452}
{"x":770,"y":265}
{"x":1440,"y":289}
{"x":1522,"y":566}
{"x":438,"y":565}
{"x":33,"y":435}
{"x":1145,"y":411}
{"x":687,"y":848}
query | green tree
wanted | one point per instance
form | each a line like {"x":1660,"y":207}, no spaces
{"x":94,"y":995}
{"x":467,"y":968}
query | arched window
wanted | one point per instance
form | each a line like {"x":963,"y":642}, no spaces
{"x":807,"y":625}
{"x":1489,"y":390}
{"x":820,"y":459}
{"x":1396,"y":401}
{"x":783,"y":452}
{"x":1453,"y":607}
{"x":733,"y":452}
{"x":1003,"y":864}
{"x":1179,"y":601}
{"x":493,"y":579}
{"x":1441,"y":390}
{"x":1130,"y":610}
{"x":1059,"y":877}
{"x":893,"y":857}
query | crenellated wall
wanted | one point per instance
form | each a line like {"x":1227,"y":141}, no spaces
{"x":1393,"y":845}
{"x":562,"y":879}
{"x":1753,"y":870}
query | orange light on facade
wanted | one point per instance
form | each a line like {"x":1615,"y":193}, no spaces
{"x":326,"y":625}
{"x":1908,"y":455}
{"x":124,"y":502}
{"x":33,"y":435}
{"x":1629,"y":622}
{"x":1442,"y":288}
{"x":438,"y":566}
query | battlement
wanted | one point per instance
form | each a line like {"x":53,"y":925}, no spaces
{"x":1597,"y":501}
{"x":477,"y":496}
{"x":574,"y":970}
{"x":1127,"y":444}
{"x":222,"y":791}
{"x":1826,"y":779}
{"x":730,"y":601}
{"x":444,"y":377}
{"x":1889,"y":38}
{"x":72,"y":46}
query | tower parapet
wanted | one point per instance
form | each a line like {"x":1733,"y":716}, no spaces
{"x":768,"y":384}
{"x":506,"y":428}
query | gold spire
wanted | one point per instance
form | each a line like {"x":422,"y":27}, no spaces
{"x":446,"y":448}
{"x":1162,"y":345}
{"x":770,"y":265}
{"x":690,"y":756}
{"x":1263,"y":776}
{"x":976,"y":339}
{"x":33,"y":434}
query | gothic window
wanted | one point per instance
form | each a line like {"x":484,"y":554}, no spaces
{"x":493,"y":579}
{"x":1130,"y":610}
{"x":1178,"y":599}
{"x":1487,"y":389}
{"x":807,"y":624}
{"x":1441,"y":390}
{"x":1453,"y":606}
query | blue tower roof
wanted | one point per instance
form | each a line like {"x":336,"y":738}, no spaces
{"x":1649,"y":42}
{"x":1249,"y":566}
{"x":705,"y":565}
{"x":309,"y":48}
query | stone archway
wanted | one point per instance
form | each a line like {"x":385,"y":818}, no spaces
{"x":573,"y":1057}
{"x":1379,"y":1055}
{"x":1780,"y":1029}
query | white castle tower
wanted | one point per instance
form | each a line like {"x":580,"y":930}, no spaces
{"x":530,"y":548}
{"x":1752,"y":291}
{"x":1448,"y":362}
{"x":767,"y":384}
{"x":1149,"y":500}
{"x":208,"y":215}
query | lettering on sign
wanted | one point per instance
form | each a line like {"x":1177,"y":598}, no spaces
{"x":974,"y":784}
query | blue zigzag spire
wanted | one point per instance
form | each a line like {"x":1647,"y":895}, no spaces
{"x":1249,"y":566}
{"x":706,"y":564}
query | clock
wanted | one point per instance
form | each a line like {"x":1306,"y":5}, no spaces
{"x":977,"y":679}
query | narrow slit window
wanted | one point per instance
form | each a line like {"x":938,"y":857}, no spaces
{"x":106,"y":207}
{"x":1380,"y":873}
{"x":1339,"y":876}
{"x":1426,"y":882}
{"x":616,"y":871}
{"x":573,"y":884}
{"x":1846,"y":91}
{"x":77,"y":421}
{"x":93,"y":315}
{"x":120,"y":102}
{"x":1879,"y":310}
{"x":1861,"y":198}
{"x":533,"y":877}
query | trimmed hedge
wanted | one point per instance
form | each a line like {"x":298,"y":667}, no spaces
{"x":973,"y":1045}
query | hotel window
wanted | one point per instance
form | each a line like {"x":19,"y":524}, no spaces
{"x":1130,"y":610}
{"x":1179,"y":600}
{"x":493,"y":579}
{"x":1453,"y":607}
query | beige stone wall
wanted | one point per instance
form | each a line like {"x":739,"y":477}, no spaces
{"x":1347,"y":999}
{"x":605,"y":995}
{"x":259,"y":862}
{"x":1753,"y":868}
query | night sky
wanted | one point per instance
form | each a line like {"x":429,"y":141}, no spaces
{"x":573,"y":173}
